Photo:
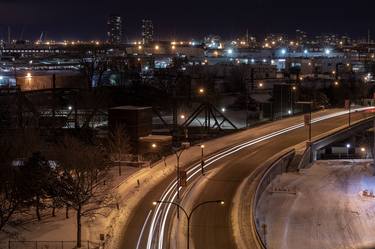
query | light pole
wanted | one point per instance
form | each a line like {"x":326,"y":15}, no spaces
{"x":189,"y":215}
{"x":292,"y":97}
{"x":202,"y":160}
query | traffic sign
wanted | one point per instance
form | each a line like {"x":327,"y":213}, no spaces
{"x":307,"y":119}
{"x":183,"y":178}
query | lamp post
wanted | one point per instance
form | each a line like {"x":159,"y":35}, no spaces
{"x":292,"y":97}
{"x":202,"y":160}
{"x":189,"y":215}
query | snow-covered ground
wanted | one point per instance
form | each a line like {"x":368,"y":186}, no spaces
{"x":25,"y":226}
{"x":327,"y":211}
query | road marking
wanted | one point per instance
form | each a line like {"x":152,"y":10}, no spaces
{"x":143,"y":228}
{"x":196,"y":169}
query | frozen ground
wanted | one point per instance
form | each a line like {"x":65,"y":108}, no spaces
{"x":327,"y":211}
{"x":25,"y":226}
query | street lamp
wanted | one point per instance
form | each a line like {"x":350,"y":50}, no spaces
{"x":154,"y":145}
{"x":201,"y":90}
{"x":202,"y":160}
{"x":189,"y":215}
{"x":260,"y":85}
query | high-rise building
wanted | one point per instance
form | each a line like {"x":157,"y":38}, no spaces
{"x":114,"y":33}
{"x":301,"y":36}
{"x":147,"y":31}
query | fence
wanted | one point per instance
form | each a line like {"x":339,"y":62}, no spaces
{"x":51,"y":245}
{"x":277,"y":167}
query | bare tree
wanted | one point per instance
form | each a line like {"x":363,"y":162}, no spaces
{"x":9,"y":200}
{"x":82,"y":178}
{"x":118,"y":146}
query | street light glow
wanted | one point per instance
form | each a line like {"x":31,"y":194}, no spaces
{"x":153,"y":145}
{"x":363,"y":149}
{"x":70,"y":108}
{"x":223,"y":109}
{"x":202,"y":146}
{"x":182,"y":116}
{"x":260,"y":84}
{"x":348,"y":146}
{"x":201,"y":90}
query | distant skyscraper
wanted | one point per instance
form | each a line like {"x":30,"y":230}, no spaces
{"x":301,"y":36}
{"x":114,"y":29}
{"x":147,"y":31}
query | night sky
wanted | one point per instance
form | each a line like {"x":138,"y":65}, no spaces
{"x":83,"y":19}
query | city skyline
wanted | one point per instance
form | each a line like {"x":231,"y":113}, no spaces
{"x":87,"y":20}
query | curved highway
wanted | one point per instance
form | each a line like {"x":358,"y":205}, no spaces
{"x":151,"y":227}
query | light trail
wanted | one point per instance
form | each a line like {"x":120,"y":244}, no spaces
{"x":143,"y":228}
{"x":162,"y":211}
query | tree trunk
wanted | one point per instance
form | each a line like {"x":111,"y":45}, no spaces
{"x":119,"y":168}
{"x":79,"y":227}
{"x":37,"y":208}
{"x":67,"y":212}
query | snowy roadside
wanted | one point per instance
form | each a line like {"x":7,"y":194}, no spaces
{"x":328,"y":210}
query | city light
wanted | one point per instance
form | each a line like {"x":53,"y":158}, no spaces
{"x":202,"y":146}
{"x":157,"y":47}
{"x":154,"y":146}
{"x":139,"y":47}
{"x":201,"y":90}
{"x":223,"y":109}
{"x":305,"y":51}
{"x":327,"y":51}
{"x":283,"y":51}
{"x":294,"y":88}
{"x":230,"y":51}
{"x":289,"y":112}
{"x":182,"y":116}
{"x":1,"y":77}
{"x":70,"y":108}
{"x":29,"y":76}
{"x":336,"y":83}
{"x":348,"y":146}
{"x":363,"y":149}
{"x":260,"y":84}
